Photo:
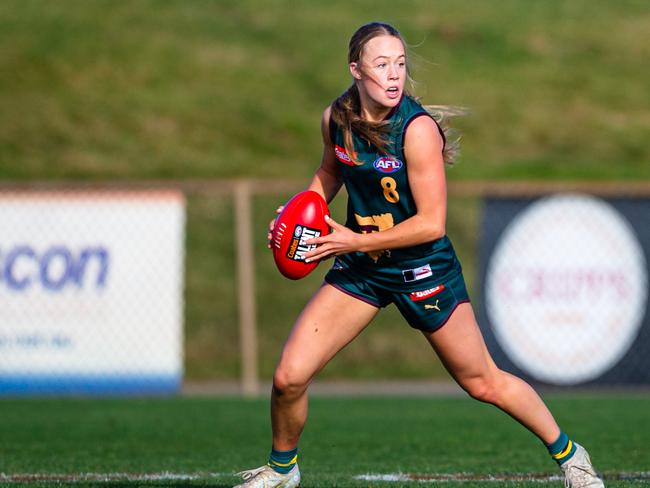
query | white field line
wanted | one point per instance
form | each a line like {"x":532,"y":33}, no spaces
{"x":106,"y":477}
{"x":512,"y":477}
{"x":455,"y":477}
{"x":401,"y":477}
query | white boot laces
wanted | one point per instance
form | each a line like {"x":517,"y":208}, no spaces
{"x":250,"y":473}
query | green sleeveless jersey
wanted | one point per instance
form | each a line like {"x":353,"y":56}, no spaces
{"x":379,"y":195}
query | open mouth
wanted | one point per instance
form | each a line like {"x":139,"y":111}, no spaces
{"x":393,"y":92}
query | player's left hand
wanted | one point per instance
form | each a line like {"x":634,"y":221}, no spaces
{"x":340,"y":241}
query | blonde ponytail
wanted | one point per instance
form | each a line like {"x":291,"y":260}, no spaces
{"x":346,"y":113}
{"x":441,"y":114}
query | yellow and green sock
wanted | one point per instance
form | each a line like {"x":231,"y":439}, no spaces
{"x":283,"y":461}
{"x":562,"y":449}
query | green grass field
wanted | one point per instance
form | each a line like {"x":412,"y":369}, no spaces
{"x":207,"y":439}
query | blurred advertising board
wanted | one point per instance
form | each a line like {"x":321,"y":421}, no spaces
{"x":564,"y":288}
{"x":91,"y":292}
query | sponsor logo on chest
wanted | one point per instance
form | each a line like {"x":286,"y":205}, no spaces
{"x":387,"y":164}
{"x":343,"y":156}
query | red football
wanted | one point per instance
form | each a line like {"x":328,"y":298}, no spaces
{"x":302,"y":218}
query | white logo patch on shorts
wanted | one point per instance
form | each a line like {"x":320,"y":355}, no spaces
{"x":416,"y":274}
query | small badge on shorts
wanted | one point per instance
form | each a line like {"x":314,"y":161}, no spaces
{"x":416,"y":296}
{"x":416,"y":274}
{"x":428,"y":306}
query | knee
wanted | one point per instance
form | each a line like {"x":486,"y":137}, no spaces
{"x":485,"y":389}
{"x":288,"y":382}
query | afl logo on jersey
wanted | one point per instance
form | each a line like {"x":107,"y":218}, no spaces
{"x":387,"y":164}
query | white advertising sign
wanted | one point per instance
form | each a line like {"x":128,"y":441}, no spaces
{"x":91,"y":291}
{"x":566,"y":288}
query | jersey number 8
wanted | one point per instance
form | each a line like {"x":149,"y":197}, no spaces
{"x":390,"y":189}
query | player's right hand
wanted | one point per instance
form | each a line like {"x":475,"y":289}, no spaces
{"x":269,"y":236}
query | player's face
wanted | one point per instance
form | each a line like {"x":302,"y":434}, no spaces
{"x":381,"y":73}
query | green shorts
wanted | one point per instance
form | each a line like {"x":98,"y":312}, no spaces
{"x":425,"y":298}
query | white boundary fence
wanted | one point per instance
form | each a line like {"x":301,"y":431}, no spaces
{"x":243,"y":191}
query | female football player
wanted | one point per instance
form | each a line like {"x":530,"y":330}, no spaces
{"x":390,"y":154}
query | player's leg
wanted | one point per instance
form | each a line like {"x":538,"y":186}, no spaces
{"x":461,"y":348}
{"x":442,"y":311}
{"x":327,"y":324}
